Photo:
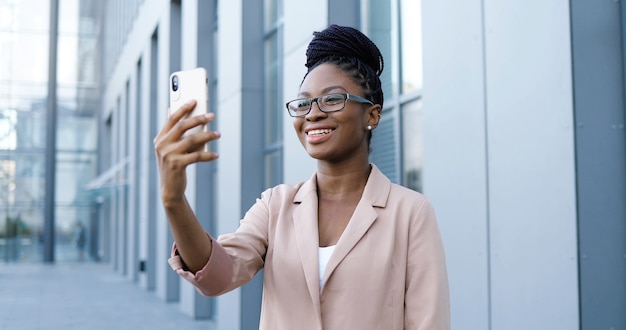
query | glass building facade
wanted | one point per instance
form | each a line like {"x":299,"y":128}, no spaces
{"x":24,"y":89}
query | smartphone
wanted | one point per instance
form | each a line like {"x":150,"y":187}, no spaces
{"x":187,"y":85}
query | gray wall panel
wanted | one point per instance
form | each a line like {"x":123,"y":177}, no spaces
{"x":601,"y":164}
{"x":455,"y":176}
{"x":532,"y":204}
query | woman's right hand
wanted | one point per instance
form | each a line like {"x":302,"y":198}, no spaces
{"x":174,"y":152}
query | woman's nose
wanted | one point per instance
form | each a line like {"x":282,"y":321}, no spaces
{"x":315,"y":112}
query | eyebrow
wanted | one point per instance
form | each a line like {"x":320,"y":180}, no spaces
{"x":324,"y":91}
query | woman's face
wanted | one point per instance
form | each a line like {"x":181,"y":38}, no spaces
{"x":339,"y":135}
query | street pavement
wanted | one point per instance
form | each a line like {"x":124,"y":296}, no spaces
{"x":85,"y":295}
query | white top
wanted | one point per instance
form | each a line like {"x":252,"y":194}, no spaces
{"x":324,"y":254}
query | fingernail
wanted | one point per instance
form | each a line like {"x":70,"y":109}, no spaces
{"x":217,"y":134}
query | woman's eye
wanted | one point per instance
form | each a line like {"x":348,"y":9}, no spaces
{"x":304,"y":104}
{"x":333,"y":99}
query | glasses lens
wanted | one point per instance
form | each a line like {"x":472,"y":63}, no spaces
{"x":299,"y":107}
{"x":332,"y":102}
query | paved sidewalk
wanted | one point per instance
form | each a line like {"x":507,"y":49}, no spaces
{"x":82,"y":296}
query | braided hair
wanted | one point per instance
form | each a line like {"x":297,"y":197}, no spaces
{"x":353,"y":52}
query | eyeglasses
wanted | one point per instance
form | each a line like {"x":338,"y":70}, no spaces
{"x":326,"y":103}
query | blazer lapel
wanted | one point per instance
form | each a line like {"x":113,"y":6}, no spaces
{"x":375,"y":194}
{"x":363,"y":217}
{"x":306,"y":234}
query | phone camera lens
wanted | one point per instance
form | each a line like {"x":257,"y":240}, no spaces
{"x":175,"y":83}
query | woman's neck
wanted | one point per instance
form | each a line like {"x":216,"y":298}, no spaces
{"x":339,"y":181}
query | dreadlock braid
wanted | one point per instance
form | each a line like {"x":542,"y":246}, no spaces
{"x":353,"y":52}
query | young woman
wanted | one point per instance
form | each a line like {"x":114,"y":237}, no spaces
{"x":346,"y":249}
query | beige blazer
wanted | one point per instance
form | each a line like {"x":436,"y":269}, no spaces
{"x":387,"y":271}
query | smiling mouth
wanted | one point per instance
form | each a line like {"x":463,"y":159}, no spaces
{"x":319,"y":132}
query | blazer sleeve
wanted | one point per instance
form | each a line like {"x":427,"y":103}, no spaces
{"x":427,"y":301}
{"x":235,"y":257}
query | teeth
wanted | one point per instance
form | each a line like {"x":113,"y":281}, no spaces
{"x":319,"y":131}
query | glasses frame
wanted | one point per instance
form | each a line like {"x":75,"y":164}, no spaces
{"x":312,"y":100}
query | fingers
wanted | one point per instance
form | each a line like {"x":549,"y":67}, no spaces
{"x":177,"y":162}
{"x":182,"y":140}
{"x":188,"y":144}
{"x":174,"y":116}
{"x":200,"y":156}
{"x":177,"y":114}
{"x":178,"y":121}
{"x":198,"y":141}
{"x":176,"y":127}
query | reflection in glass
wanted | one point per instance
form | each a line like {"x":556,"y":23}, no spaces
{"x":24,"y":43}
{"x":411,"y":45}
{"x":273,"y":107}
{"x":77,"y":93}
{"x":412,"y":123}
{"x":383,"y":30}
{"x":272,"y":87}
{"x":23,"y":92}
{"x":273,"y":167}
{"x":272,"y":12}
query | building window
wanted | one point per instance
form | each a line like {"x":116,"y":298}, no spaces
{"x":412,"y":147}
{"x":410,"y":46}
{"x":395,"y":26}
{"x":273,"y":150}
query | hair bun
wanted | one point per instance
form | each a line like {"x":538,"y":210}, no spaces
{"x":343,"y":41}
